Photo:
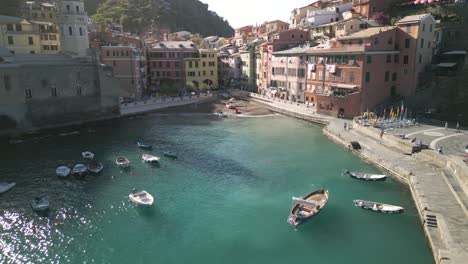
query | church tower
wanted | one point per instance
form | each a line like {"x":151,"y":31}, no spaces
{"x":73,"y":21}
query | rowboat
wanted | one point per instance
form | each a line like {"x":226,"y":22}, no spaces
{"x":366,"y":177}
{"x":5,"y":186}
{"x":79,"y":170}
{"x":379,"y":207}
{"x":170,"y":155}
{"x":87,"y":155}
{"x":141,"y":198}
{"x":307,"y":207}
{"x":122,"y":162}
{"x":63,"y":171}
{"x":95,"y":167}
{"x":144,"y":146}
{"x":150,"y":158}
{"x":40,"y":204}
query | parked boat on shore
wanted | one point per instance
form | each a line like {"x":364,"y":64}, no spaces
{"x":150,"y":158}
{"x":88,"y":155}
{"x":80,"y":170}
{"x":63,"y":171}
{"x":365,"y":176}
{"x":40,"y":204}
{"x":144,"y":146}
{"x":5,"y":186}
{"x":307,"y":207}
{"x":379,"y":207}
{"x":141,"y":198}
{"x":95,"y":167}
{"x":170,"y":155}
{"x":122,"y":162}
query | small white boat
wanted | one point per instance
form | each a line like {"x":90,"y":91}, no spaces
{"x":150,"y":158}
{"x":63,"y":171}
{"x":122,"y":162}
{"x":379,"y":207}
{"x":40,"y":204}
{"x":95,"y":167}
{"x":366,"y":177}
{"x":221,"y":114}
{"x":5,"y":186}
{"x":466,"y":149}
{"x":87,"y":155}
{"x":141,"y":198}
{"x":80,"y":169}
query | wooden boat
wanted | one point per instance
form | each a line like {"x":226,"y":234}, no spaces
{"x":87,"y":155}
{"x":40,"y":204}
{"x":141,"y":198}
{"x":79,"y":170}
{"x":379,"y":207}
{"x":95,"y":167}
{"x":5,"y":186}
{"x":170,"y":155}
{"x":150,"y":158}
{"x":307,"y":207}
{"x":365,"y":176}
{"x":63,"y":171}
{"x":122,"y":162}
{"x":144,"y":146}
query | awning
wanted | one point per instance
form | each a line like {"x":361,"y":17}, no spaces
{"x":447,"y":64}
{"x":344,"y":86}
{"x":455,"y":52}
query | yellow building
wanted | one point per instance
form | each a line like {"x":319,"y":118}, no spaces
{"x":50,"y":37}
{"x":19,"y":35}
{"x":37,"y":11}
{"x":202,"y":72}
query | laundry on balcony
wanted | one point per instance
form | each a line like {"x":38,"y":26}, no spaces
{"x":331,"y":68}
{"x":312,"y":67}
{"x":273,"y":91}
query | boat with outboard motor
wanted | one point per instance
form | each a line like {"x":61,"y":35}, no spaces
{"x":305,"y":208}
{"x":141,"y":198}
{"x":366,"y":176}
{"x":150,"y":158}
{"x":378,"y":207}
{"x":95,"y":167}
{"x":122,"y":162}
{"x":63,"y":171}
{"x":87,"y":155}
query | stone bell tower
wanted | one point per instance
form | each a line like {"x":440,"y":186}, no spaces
{"x":73,"y":22}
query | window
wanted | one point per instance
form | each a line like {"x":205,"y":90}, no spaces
{"x":408,"y":29}
{"x":360,"y":42}
{"x":126,"y":53}
{"x":407,"y":43}
{"x":395,"y":58}
{"x":424,"y":27}
{"x":177,"y":64}
{"x":389,"y":58}
{"x":10,"y":40}
{"x":420,"y":58}
{"x":7,"y":82}
{"x":160,"y":65}
{"x":44,"y":37}
{"x":177,"y":74}
{"x":70,"y":31}
{"x":405,"y":59}
{"x":422,"y":43}
{"x":204,"y":73}
{"x":327,"y":75}
{"x":430,"y":28}
{"x":168,"y":74}
{"x":387,"y":76}
{"x":9,"y":27}
{"x":367,"y":77}
{"x":351,"y":77}
{"x":114,"y":63}
{"x":68,"y":8}
{"x":369,"y":59}
{"x":53,"y":47}
{"x":334,"y":78}
{"x":394,"y":76}
{"x":320,"y":75}
{"x":77,"y":9}
{"x":428,"y":44}
{"x":405,"y":71}
{"x":32,"y":52}
{"x":390,"y":41}
{"x":53,"y":91}
{"x":81,"y":31}
{"x":45,"y":47}
{"x":211,"y":63}
{"x":212,"y":73}
{"x":376,"y":41}
{"x":196,"y":64}
{"x":168,"y":64}
{"x":301,"y":73}
{"x":30,"y":41}
{"x":27,"y":93}
{"x":204,"y":64}
{"x":78,"y":90}
{"x":293,"y":36}
{"x":342,"y":76}
{"x":19,"y":27}
{"x":301,"y":36}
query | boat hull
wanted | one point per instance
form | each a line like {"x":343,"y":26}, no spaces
{"x":368,"y":179}
{"x":369,"y":207}
{"x":296,"y":221}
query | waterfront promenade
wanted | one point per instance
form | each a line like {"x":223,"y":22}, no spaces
{"x":437,"y":191}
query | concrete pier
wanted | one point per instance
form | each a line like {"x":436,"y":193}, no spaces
{"x":437,"y":185}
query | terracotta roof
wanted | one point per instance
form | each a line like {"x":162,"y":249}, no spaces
{"x":367,"y":33}
{"x":412,"y":19}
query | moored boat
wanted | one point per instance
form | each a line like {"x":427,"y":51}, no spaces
{"x":95,"y":167}
{"x":466,"y":149}
{"x":379,"y":207}
{"x":79,"y":169}
{"x":221,"y":114}
{"x":307,"y":207}
{"x":5,"y":186}
{"x":150,"y":158}
{"x":87,"y":155}
{"x":40,"y":204}
{"x":366,"y":176}
{"x":122,"y":162}
{"x":170,"y":155}
{"x":63,"y":171}
{"x":144,"y":146}
{"x":141,"y":198}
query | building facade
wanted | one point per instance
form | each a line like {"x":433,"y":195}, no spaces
{"x":73,"y":22}
{"x":202,"y":71}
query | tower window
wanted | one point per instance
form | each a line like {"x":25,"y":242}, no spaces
{"x":81,"y":31}
{"x":70,"y":31}
{"x":77,"y":9}
{"x":68,"y":8}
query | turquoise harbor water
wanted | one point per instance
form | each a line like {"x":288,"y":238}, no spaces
{"x":226,"y":199}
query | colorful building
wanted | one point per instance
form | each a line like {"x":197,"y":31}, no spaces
{"x":39,"y":11}
{"x":19,"y":35}
{"x":202,"y":71}
{"x":368,"y":8}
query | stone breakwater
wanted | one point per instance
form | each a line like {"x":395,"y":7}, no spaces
{"x":436,"y":186}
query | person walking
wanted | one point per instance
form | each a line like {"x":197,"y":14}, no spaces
{"x":381,"y":133}
{"x":345,"y":126}
{"x":458,"y":127}
{"x":446,"y":125}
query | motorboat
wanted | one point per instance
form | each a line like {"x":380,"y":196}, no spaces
{"x":63,"y":171}
{"x":144,"y":146}
{"x":221,"y":114}
{"x":379,"y":207}
{"x":88,"y":155}
{"x":170,"y":155}
{"x":79,"y":169}
{"x":122,"y":162}
{"x":5,"y":186}
{"x":366,"y":176}
{"x":141,"y":198}
{"x":150,"y":158}
{"x":40,"y":204}
{"x":95,"y":167}
{"x":305,"y":208}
